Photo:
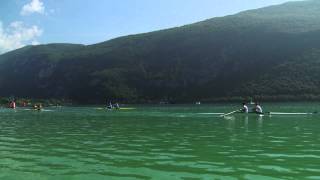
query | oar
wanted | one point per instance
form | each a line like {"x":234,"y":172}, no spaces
{"x":223,"y":115}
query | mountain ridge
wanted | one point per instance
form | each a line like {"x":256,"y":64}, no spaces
{"x":219,"y":58}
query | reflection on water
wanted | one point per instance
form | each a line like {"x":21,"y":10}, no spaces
{"x":232,"y":122}
{"x":246,"y":123}
{"x":86,"y":143}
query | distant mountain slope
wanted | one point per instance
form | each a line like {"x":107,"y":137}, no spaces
{"x":270,"y":52}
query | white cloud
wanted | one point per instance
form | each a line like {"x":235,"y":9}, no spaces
{"x":35,"y":42}
{"x":35,"y":6}
{"x":17,"y":35}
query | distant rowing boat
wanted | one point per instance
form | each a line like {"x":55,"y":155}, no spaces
{"x":128,"y":108}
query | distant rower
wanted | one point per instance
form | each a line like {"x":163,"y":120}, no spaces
{"x":110,"y":106}
{"x":258,"y":109}
{"x":245,"y":108}
{"x":37,"y":107}
{"x":12,"y":104}
{"x":116,"y":106}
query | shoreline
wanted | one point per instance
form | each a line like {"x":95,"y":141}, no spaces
{"x":4,"y":101}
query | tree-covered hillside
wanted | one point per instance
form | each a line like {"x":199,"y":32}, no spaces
{"x":272,"y":53}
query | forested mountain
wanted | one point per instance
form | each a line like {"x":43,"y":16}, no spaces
{"x":272,"y":53}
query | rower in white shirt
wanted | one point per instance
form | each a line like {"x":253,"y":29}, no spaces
{"x":245,"y":108}
{"x":258,"y":109}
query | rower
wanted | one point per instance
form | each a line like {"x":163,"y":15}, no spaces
{"x":40,"y":107}
{"x":245,"y":108}
{"x":110,"y":106}
{"x":116,"y":106}
{"x":12,"y":104}
{"x":37,"y":107}
{"x":258,"y":109}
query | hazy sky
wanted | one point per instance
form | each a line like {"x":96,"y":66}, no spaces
{"x":90,"y":21}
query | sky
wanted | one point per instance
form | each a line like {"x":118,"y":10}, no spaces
{"x":25,"y":22}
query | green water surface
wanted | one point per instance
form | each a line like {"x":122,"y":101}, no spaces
{"x":159,"y":142}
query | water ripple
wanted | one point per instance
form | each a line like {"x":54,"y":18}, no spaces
{"x":83,"y":143}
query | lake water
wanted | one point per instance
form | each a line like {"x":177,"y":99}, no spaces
{"x":159,"y":142}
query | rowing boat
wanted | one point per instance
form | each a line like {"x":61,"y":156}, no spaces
{"x":238,"y":112}
{"x":286,"y":113}
{"x":279,"y":113}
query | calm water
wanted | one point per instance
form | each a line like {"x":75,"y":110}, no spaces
{"x":177,"y":142}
